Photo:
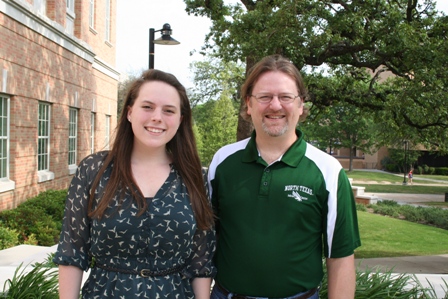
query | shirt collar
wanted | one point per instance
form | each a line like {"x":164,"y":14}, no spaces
{"x":291,"y":157}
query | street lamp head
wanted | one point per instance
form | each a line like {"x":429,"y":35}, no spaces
{"x":166,"y":38}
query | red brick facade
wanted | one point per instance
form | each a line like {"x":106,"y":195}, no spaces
{"x":40,"y":62}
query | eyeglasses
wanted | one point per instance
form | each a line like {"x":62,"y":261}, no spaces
{"x":265,"y":98}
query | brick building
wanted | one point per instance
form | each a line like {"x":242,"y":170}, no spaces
{"x":58,"y":91}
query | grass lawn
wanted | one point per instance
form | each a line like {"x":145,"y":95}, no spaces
{"x":383,"y":236}
{"x":387,"y":177}
{"x":392,"y":183}
{"x":377,"y":188}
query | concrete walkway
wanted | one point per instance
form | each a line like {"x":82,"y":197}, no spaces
{"x":427,"y":269}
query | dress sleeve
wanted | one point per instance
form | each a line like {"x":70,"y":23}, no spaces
{"x":204,"y":246}
{"x":74,"y":241}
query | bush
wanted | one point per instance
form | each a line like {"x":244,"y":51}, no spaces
{"x":8,"y":238}
{"x":420,"y":170}
{"x":437,"y":217}
{"x":441,"y":171}
{"x":37,"y":221}
{"x":41,"y":282}
{"x":389,"y":203}
{"x":413,"y":214}
{"x":361,"y":207}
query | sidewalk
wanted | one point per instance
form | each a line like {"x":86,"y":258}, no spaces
{"x":427,"y":269}
{"x":431,"y":271}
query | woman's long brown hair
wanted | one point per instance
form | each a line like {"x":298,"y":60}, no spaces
{"x":182,"y":148}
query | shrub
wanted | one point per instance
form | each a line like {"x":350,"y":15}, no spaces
{"x":441,"y":171}
{"x":414,"y":214}
{"x":41,"y":282}
{"x":432,"y":170}
{"x":386,"y":210}
{"x":39,"y":219}
{"x":387,"y":202}
{"x":8,"y":238}
{"x":420,"y":170}
{"x":374,"y":284}
{"x":426,"y":168}
{"x":361,"y":207}
{"x":52,"y":202}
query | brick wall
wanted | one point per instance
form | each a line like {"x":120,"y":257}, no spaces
{"x":35,"y":68}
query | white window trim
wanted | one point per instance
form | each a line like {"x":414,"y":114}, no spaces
{"x":92,"y":14}
{"x":5,"y":183}
{"x":107,"y":21}
{"x":107,"y":132}
{"x":92,"y":132}
{"x":46,"y":174}
{"x":72,"y":167}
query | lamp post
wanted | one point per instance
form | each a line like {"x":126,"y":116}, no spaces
{"x":165,"y":39}
{"x":405,"y":161}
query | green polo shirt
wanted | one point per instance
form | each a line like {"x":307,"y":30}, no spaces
{"x":275,"y":222}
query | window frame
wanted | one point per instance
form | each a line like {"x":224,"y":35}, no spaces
{"x":107,"y":21}
{"x":44,"y":134}
{"x":5,"y":138}
{"x":72,"y":139}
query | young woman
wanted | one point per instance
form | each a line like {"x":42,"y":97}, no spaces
{"x":139,"y":215}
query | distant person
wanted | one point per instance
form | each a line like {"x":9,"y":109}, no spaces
{"x":139,"y":215}
{"x":281,"y":203}
{"x":410,"y":175}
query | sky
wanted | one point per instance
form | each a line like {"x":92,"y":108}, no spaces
{"x":135,"y":17}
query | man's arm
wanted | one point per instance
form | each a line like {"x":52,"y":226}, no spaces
{"x":341,"y":277}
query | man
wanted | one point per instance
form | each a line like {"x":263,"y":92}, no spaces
{"x":281,"y":203}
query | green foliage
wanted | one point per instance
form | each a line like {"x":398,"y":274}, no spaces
{"x":396,"y":48}
{"x":420,"y":169}
{"x":341,"y":125}
{"x":375,"y":284}
{"x":216,"y":121}
{"x":437,"y":217}
{"x":361,"y":207}
{"x":213,"y":77}
{"x":123,"y":86}
{"x":8,"y":238}
{"x":441,"y":171}
{"x":39,"y":283}
{"x":38,"y":220}
{"x":52,"y":202}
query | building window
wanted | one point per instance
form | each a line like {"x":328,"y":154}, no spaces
{"x":4,"y":137}
{"x":5,"y":183}
{"x":40,"y":6}
{"x":43,"y":149}
{"x":107,"y":129}
{"x":72,"y":136}
{"x":70,"y":6}
{"x":92,"y":14}
{"x":92,"y":133}
{"x":70,"y":16}
{"x":107,"y":26}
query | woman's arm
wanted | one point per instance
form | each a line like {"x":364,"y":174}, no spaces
{"x":202,"y":287}
{"x":70,"y":278}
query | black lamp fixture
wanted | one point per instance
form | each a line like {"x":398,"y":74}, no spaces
{"x":165,"y":39}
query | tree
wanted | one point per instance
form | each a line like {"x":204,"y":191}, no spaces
{"x":402,"y":38}
{"x":213,"y":76}
{"x":216,"y":121}
{"x":123,"y":86}
{"x":342,"y":125}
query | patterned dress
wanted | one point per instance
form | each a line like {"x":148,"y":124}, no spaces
{"x":164,"y":237}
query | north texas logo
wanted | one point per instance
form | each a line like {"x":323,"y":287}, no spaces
{"x":295,"y":194}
